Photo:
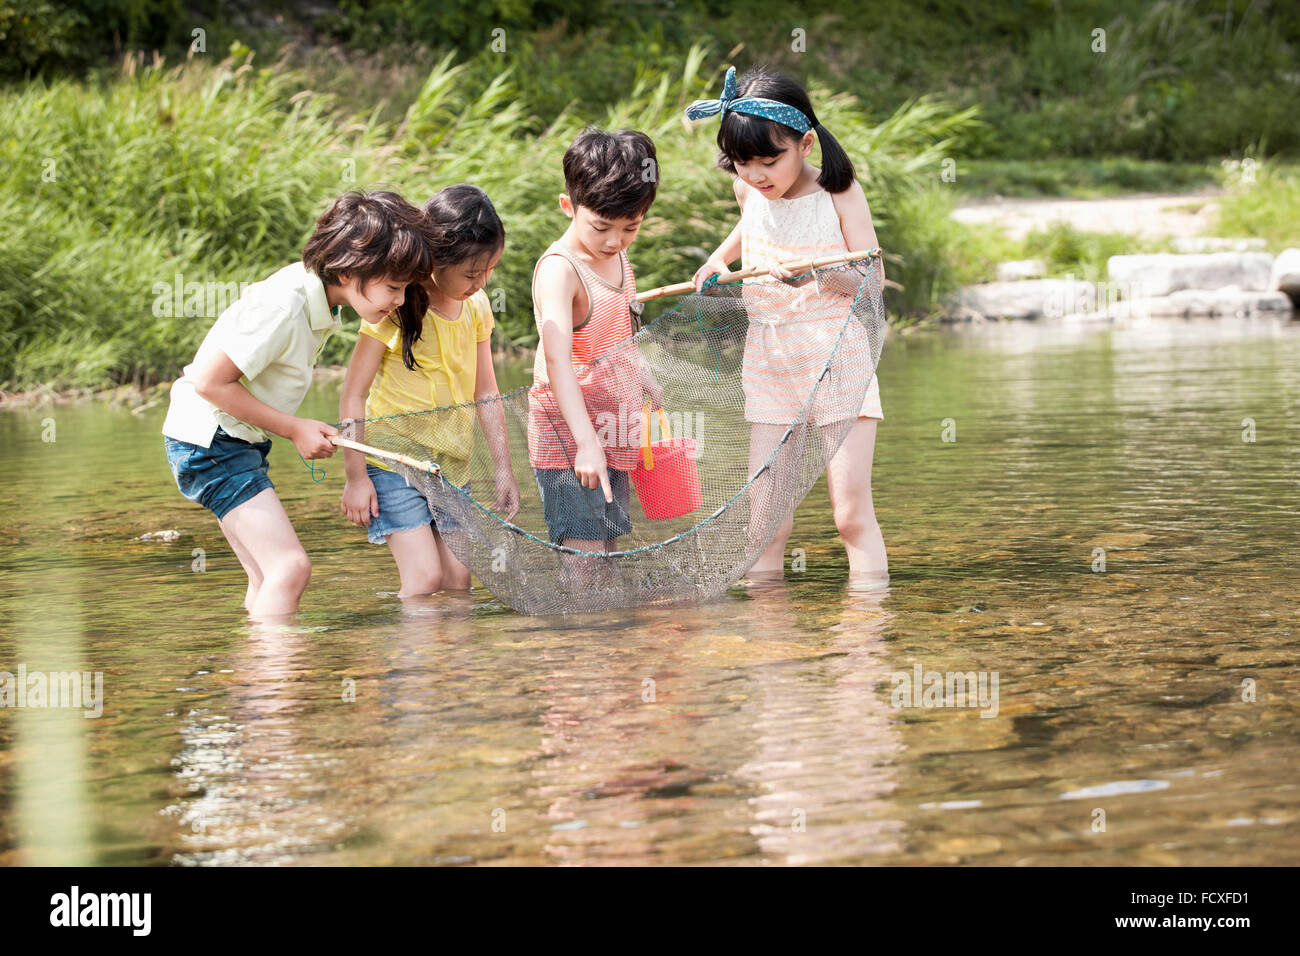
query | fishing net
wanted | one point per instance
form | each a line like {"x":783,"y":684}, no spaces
{"x":754,"y":385}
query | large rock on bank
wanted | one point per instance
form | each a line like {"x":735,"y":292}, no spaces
{"x":1023,"y":299}
{"x":1146,"y":276}
{"x":1189,"y":303}
{"x":1286,"y":274}
{"x":1217,"y":244}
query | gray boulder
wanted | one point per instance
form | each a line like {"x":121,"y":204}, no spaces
{"x":1021,"y":269}
{"x":1028,"y":298}
{"x":1198,"y":302}
{"x":1216,"y":244}
{"x":1286,"y":274}
{"x":1164,"y":273}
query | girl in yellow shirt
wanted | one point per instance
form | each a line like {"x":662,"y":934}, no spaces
{"x":416,"y":360}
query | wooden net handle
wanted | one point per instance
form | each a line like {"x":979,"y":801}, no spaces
{"x":430,"y":467}
{"x":797,"y":266}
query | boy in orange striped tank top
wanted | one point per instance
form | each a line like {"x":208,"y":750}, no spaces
{"x":589,"y":382}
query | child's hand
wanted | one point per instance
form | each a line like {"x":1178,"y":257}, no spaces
{"x":779,"y":271}
{"x":712,"y":267}
{"x":359,"y":503}
{"x":592,"y":470}
{"x":312,"y":438}
{"x":507,"y":495}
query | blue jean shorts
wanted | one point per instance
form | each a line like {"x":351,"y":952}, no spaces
{"x":573,"y":511}
{"x":403,"y":507}
{"x":222,"y":476}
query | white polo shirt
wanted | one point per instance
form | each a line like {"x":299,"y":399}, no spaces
{"x":273,"y":334}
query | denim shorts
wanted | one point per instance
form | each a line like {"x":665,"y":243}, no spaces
{"x":222,"y":476}
{"x":573,"y":511}
{"x":403,"y":507}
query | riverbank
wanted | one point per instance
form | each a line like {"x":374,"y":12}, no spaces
{"x":167,"y":188}
{"x":138,"y":399}
{"x":156,"y":187}
{"x":1144,"y":216}
{"x":1232,"y":250}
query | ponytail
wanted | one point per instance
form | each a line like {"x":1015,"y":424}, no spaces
{"x":837,"y":172}
{"x":409,"y":318}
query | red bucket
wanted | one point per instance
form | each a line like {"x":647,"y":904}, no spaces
{"x":666,"y":480}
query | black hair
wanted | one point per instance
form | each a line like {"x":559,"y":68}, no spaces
{"x":615,"y":175}
{"x":741,"y":137}
{"x":369,"y":235}
{"x":462,"y":225}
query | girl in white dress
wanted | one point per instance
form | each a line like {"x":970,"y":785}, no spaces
{"x":792,"y":210}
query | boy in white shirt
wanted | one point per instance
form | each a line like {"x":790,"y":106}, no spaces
{"x":254,"y":368}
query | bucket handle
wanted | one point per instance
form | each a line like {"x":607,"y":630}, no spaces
{"x":665,"y":431}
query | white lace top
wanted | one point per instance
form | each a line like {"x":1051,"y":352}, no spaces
{"x":775,"y":230}
{"x":787,"y":345}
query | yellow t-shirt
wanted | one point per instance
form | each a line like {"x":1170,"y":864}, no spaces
{"x":446,"y":358}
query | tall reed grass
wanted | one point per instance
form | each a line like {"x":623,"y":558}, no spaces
{"x":217,"y":172}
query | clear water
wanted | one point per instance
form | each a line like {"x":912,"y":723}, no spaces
{"x":757,"y":729}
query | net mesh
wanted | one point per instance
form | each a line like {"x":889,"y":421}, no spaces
{"x":754,"y":385}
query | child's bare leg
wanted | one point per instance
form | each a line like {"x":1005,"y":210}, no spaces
{"x":263,"y":529}
{"x":579,"y":570}
{"x":848,"y":478}
{"x":772,"y":561}
{"x":250,"y":566}
{"x":455,"y":576}
{"x":765,"y":498}
{"x":419,"y":564}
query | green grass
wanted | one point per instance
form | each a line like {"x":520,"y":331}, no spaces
{"x":1170,"y":80}
{"x":218,"y":171}
{"x":1268,"y":207}
{"x":1179,"y":82}
{"x":1068,"y":251}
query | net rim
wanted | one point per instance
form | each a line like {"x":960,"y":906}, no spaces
{"x":525,"y":389}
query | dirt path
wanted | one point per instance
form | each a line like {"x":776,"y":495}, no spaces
{"x":1151,"y":216}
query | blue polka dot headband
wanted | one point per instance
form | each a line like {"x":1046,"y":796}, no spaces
{"x":775,"y":110}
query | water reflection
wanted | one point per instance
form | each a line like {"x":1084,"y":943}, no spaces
{"x":257,"y":793}
{"x":823,"y":741}
{"x":690,"y":735}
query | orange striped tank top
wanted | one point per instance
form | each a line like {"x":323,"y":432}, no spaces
{"x":607,"y":364}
